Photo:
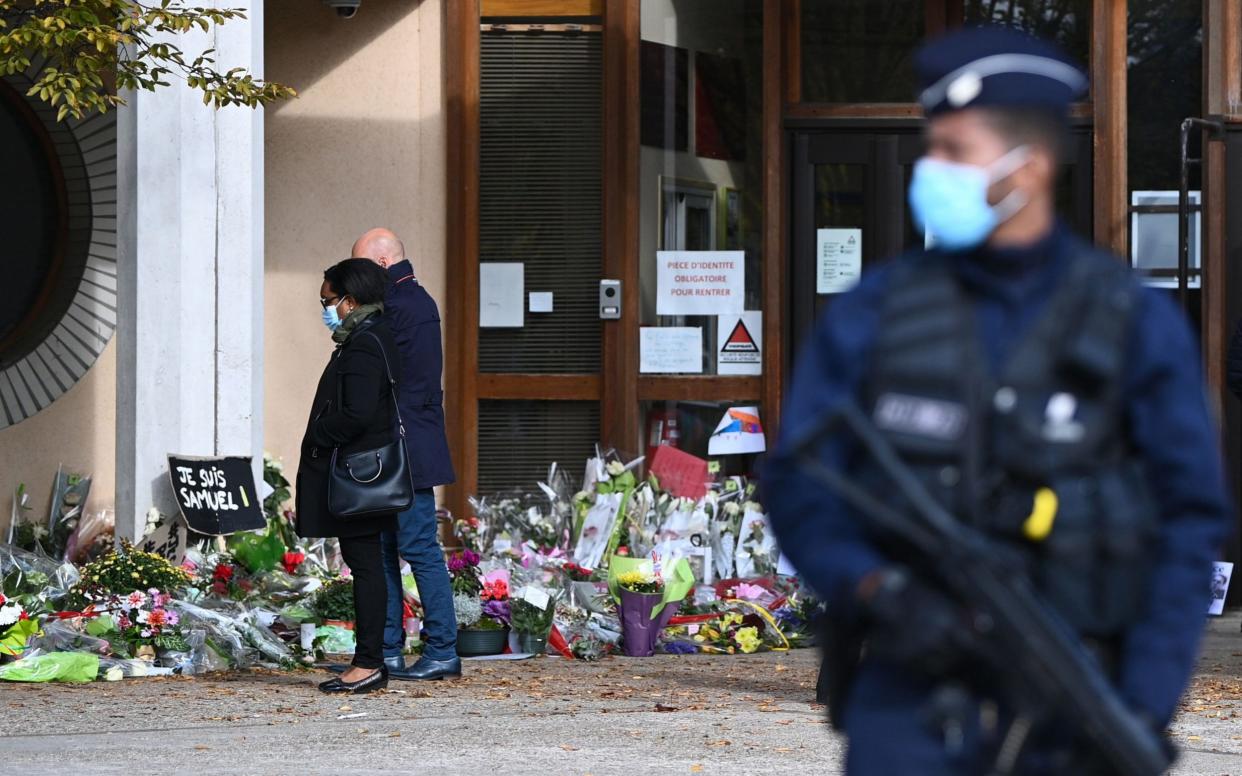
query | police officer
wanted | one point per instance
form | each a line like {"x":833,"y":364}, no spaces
{"x":1017,"y":370}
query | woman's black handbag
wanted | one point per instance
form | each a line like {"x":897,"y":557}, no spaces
{"x":372,"y":482}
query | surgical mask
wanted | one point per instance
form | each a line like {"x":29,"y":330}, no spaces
{"x":950,"y":200}
{"x":331,"y":318}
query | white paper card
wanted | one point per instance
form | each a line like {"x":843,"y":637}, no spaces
{"x":700,"y":282}
{"x":501,"y":293}
{"x":784,"y":568}
{"x":739,"y":344}
{"x":739,"y":432}
{"x":1221,"y":572}
{"x":838,"y":259}
{"x":541,"y":301}
{"x":670,"y":350}
{"x":536,"y":598}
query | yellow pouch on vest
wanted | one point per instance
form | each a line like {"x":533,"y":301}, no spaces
{"x":1039,"y":523}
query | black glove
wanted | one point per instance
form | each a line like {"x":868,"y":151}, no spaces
{"x":915,"y":625}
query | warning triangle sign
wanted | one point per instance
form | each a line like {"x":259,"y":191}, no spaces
{"x":740,"y":340}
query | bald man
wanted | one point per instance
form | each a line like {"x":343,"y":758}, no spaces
{"x":415,"y":322}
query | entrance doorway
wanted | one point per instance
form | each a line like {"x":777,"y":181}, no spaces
{"x":855,"y":177}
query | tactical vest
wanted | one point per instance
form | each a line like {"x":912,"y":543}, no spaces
{"x":1053,"y":419}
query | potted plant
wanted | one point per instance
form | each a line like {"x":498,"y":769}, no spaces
{"x":532,"y":616}
{"x":482,"y":609}
{"x":334,"y":603}
{"x":641,"y":591}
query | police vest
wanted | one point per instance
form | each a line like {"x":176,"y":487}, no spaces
{"x":1037,"y":456}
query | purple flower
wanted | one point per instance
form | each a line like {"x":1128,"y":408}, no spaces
{"x":456,"y":564}
{"x":680,"y":648}
{"x":497,"y":610}
{"x":471,"y":557}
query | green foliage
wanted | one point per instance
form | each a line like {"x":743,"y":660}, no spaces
{"x":124,"y":571}
{"x":335,"y":601}
{"x":278,"y":519}
{"x":528,"y":618}
{"x":257,"y":552}
{"x":96,"y":48}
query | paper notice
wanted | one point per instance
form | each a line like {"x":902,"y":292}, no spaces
{"x":838,"y":259}
{"x":670,"y":350}
{"x":501,"y":293}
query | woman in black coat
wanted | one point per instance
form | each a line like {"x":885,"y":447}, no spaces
{"x":353,"y":411}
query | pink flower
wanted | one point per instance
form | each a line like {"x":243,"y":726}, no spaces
{"x":162,"y":600}
{"x":157,"y":618}
{"x":748,"y":592}
{"x":146,"y":634}
{"x":136,"y":598}
{"x":189,"y":565}
{"x":123,"y":622}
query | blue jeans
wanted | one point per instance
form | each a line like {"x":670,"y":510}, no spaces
{"x":415,"y":540}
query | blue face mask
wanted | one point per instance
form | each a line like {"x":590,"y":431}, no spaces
{"x":331,"y":318}
{"x":950,"y":200}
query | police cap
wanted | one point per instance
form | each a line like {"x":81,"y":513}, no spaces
{"x":977,"y":67}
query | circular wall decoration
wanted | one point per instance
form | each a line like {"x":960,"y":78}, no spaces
{"x":58,"y":256}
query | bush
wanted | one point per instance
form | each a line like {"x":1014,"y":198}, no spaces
{"x":335,"y":601}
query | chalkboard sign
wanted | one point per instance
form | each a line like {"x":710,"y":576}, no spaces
{"x":216,"y":495}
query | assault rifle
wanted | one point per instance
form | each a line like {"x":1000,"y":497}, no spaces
{"x":1045,"y":671}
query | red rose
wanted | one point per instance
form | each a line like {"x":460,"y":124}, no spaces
{"x":292,"y":560}
{"x":223,"y":572}
{"x":220,"y":587}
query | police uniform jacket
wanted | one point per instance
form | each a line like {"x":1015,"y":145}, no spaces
{"x":1165,"y":409}
{"x":352,"y":410}
{"x":415,"y":322}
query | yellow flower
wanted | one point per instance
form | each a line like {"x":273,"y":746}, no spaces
{"x":633,"y":578}
{"x":134,"y":574}
{"x":747,"y":639}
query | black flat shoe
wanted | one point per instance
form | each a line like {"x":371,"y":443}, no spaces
{"x":375,"y":681}
{"x":426,"y":668}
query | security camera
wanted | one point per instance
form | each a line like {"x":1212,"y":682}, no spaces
{"x":346,"y":9}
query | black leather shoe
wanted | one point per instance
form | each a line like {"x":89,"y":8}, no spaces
{"x":375,"y":681}
{"x":426,"y":668}
{"x":396,"y":667}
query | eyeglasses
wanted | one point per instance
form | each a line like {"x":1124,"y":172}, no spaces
{"x":331,"y":301}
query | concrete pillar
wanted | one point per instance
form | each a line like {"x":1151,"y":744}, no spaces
{"x":190,"y":277}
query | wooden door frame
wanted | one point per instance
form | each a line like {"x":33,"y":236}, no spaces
{"x":617,"y":393}
{"x":460,"y":54}
{"x":619,"y":388}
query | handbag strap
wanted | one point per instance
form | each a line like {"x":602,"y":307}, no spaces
{"x":392,"y":384}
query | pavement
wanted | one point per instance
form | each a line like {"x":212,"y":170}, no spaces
{"x":740,"y":714}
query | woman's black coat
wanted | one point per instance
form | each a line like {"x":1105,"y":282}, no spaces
{"x":359,"y":417}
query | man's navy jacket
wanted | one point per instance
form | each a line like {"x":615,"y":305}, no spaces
{"x":415,"y":321}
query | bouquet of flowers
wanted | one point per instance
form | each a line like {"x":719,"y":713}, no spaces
{"x":740,"y":626}
{"x":470,"y":530}
{"x":292,"y":561}
{"x":575,"y":573}
{"x":16,"y":626}
{"x":642,"y":581}
{"x":478,"y":603}
{"x":228,"y":580}
{"x":146,"y":623}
